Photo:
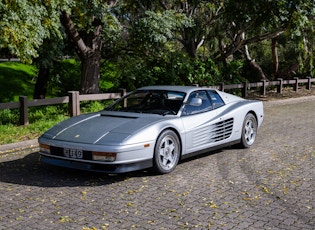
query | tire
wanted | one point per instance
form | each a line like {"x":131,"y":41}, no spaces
{"x":249,"y":131}
{"x":166,"y":152}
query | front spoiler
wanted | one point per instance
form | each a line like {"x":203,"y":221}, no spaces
{"x":97,"y":167}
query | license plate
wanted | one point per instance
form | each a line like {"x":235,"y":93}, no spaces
{"x":73,"y":153}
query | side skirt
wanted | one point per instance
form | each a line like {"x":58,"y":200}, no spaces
{"x":209,"y":149}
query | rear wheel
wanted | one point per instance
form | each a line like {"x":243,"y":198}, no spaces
{"x":249,"y":131}
{"x":166,"y":152}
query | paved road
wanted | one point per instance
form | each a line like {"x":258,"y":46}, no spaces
{"x":270,"y":186}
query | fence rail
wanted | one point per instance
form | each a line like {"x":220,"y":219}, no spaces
{"x":74,"y":98}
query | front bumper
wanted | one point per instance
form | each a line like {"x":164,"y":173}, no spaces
{"x":97,"y":167}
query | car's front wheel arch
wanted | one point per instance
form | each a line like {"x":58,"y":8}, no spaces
{"x":167,"y":151}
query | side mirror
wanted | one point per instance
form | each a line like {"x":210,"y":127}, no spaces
{"x":195,"y":101}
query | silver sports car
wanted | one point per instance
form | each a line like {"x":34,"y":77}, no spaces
{"x":152,"y":127}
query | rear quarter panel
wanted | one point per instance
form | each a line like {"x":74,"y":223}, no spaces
{"x":238,"y":110}
{"x":199,"y":128}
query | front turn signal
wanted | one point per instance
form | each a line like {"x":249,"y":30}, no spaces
{"x":104,"y":156}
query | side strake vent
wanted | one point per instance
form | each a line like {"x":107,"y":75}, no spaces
{"x":222,"y":130}
{"x":213,"y":133}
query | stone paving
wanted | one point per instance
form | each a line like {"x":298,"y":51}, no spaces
{"x":269,"y":186}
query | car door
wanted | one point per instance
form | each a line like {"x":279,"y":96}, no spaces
{"x":204,"y":127}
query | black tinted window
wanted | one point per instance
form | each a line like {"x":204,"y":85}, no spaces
{"x":215,"y":99}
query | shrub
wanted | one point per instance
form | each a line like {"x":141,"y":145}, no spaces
{"x":8,"y":116}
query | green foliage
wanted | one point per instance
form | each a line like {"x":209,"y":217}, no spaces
{"x":159,"y":27}
{"x":94,"y":106}
{"x":172,"y":68}
{"x":65,"y":77}
{"x":25,"y":24}
{"x":8,"y":116}
{"x":110,"y":79}
{"x":297,"y":15}
{"x":204,"y":73}
{"x":47,"y":112}
{"x":16,"y":79}
{"x":233,"y":72}
{"x":41,"y":119}
{"x":11,"y":116}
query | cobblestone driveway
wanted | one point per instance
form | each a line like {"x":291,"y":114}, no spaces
{"x":270,"y":186}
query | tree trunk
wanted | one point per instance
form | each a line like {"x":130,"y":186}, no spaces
{"x":41,"y":83}
{"x":89,"y":52}
{"x":190,"y":47}
{"x":90,"y":76}
{"x":275,"y":57}
{"x":253,"y":64}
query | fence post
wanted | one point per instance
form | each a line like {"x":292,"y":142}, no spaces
{"x":23,"y":110}
{"x":309,"y":83}
{"x":74,"y":103}
{"x":296,"y":87}
{"x":263,"y":88}
{"x":123,"y":92}
{"x":245,"y":86}
{"x":221,"y":84}
{"x":280,"y":86}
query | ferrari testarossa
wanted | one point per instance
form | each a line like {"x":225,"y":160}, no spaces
{"x":152,"y":127}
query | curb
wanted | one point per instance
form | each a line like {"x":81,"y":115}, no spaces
{"x":30,"y":144}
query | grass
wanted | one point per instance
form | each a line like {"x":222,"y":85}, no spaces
{"x":16,"y":79}
{"x":11,"y":133}
{"x":40,"y":119}
{"x":19,"y":79}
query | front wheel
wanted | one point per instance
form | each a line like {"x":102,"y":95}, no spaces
{"x":249,"y":131}
{"x":166,"y":152}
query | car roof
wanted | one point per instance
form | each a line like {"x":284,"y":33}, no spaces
{"x":226,"y":97}
{"x":186,"y":89}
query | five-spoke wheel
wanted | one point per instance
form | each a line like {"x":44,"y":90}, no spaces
{"x":167,"y":152}
{"x":249,"y":131}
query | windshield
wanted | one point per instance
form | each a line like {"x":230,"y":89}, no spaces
{"x":150,"y":101}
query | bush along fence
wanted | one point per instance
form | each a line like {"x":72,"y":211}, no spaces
{"x":74,"y":98}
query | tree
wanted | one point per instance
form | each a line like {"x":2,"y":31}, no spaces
{"x":88,"y":51}
{"x":167,"y":38}
{"x":24,"y":25}
{"x":263,"y":20}
{"x":48,"y":54}
{"x":30,"y":30}
{"x":87,"y":24}
{"x":188,"y":22}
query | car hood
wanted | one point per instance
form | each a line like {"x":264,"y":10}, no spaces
{"x":105,"y":127}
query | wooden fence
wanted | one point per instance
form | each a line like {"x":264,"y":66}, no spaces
{"x":74,"y":98}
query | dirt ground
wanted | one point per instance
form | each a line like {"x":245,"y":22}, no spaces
{"x":286,"y":93}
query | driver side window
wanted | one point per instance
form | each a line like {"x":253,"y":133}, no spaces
{"x":204,"y":106}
